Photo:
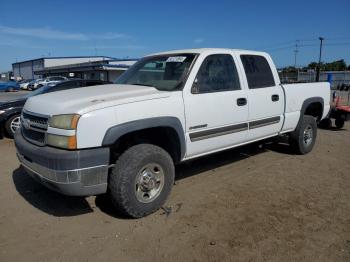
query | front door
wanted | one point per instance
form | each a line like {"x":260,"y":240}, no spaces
{"x":216,"y":109}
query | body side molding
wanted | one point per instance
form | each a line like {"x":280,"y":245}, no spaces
{"x":264,"y":122}
{"x":200,"y":135}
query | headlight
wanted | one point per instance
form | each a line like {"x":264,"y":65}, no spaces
{"x":67,"y":142}
{"x":64,"y":121}
{"x":2,"y":111}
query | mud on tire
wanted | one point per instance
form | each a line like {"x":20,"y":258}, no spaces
{"x":141,"y":180}
{"x":303,"y":138}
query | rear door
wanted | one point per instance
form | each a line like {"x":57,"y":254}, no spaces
{"x":265,"y":96}
{"x":215,"y":107}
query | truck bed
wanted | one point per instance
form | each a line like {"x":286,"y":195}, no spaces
{"x":296,"y":94}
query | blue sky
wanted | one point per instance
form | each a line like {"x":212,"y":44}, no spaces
{"x":31,"y":29}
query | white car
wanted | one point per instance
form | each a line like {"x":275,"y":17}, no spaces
{"x":51,"y":80}
{"x":24,"y":84}
{"x":124,"y":139}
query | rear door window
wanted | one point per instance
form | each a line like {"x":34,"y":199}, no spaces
{"x":258,"y":71}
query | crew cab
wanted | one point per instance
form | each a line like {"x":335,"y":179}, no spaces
{"x":125,"y":138}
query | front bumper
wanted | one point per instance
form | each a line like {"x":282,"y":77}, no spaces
{"x":74,"y":173}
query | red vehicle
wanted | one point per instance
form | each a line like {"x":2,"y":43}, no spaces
{"x":340,"y":113}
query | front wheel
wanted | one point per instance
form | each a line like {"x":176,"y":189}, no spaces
{"x":303,"y":138}
{"x":141,"y":180}
{"x":12,"y":124}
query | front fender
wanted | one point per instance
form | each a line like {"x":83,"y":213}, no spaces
{"x":115,"y":132}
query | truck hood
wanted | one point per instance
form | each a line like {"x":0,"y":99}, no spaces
{"x":86,"y":99}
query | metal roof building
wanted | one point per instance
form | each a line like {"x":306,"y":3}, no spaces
{"x":87,"y":67}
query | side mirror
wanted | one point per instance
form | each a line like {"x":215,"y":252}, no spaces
{"x":195,"y":88}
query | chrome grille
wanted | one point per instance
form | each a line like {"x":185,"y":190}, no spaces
{"x":34,"y":127}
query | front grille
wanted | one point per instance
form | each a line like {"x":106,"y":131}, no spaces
{"x":34,"y":127}
{"x":35,"y":121}
{"x":34,"y":136}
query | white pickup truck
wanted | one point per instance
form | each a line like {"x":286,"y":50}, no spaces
{"x":125,"y":138}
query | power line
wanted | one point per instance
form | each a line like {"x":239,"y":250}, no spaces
{"x":302,"y":43}
{"x":276,"y":45}
{"x":280,"y":48}
{"x":306,"y":45}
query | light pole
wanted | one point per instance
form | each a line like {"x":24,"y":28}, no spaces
{"x":296,"y":53}
{"x":319,"y":61}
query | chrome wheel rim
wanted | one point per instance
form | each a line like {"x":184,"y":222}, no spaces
{"x":15,"y":124}
{"x":308,"y":135}
{"x":149,"y":183}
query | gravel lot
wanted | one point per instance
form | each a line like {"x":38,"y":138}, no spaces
{"x":248,"y":204}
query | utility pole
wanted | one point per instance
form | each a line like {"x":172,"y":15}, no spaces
{"x":296,"y":53}
{"x":319,"y":61}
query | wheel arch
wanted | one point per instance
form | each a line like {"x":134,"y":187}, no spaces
{"x":166,"y":132}
{"x":313,"y":106}
{"x":11,"y":113}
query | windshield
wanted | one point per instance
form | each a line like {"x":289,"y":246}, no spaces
{"x":164,"y":72}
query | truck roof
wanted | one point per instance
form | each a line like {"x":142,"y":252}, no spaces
{"x":206,"y":50}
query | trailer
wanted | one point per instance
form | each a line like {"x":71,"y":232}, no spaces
{"x":340,"y":113}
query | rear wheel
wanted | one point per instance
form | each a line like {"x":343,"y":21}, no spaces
{"x":303,"y":138}
{"x":12,"y":125}
{"x":339,"y":123}
{"x":141,"y":180}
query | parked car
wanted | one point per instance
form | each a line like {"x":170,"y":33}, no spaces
{"x":24,"y":84}
{"x":9,"y":86}
{"x":51,"y":80}
{"x":31,"y":84}
{"x":124,"y":139}
{"x":41,"y":82}
{"x":10,"y":111}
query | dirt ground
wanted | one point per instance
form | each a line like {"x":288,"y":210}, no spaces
{"x":248,"y":204}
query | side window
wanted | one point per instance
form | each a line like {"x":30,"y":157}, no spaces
{"x":217,"y":73}
{"x":258,"y":71}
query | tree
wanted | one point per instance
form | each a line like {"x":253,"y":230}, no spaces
{"x":339,"y":65}
{"x":312,"y":65}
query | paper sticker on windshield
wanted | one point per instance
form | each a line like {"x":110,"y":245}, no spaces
{"x":177,"y":59}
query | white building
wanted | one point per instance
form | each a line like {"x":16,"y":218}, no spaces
{"x":86,"y":67}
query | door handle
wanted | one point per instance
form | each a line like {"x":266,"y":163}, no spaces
{"x":241,"y":101}
{"x":275,"y":98}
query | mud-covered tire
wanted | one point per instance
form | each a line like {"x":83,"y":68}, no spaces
{"x":303,"y":138}
{"x":339,"y":123}
{"x":123,"y":183}
{"x":11,"y":123}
